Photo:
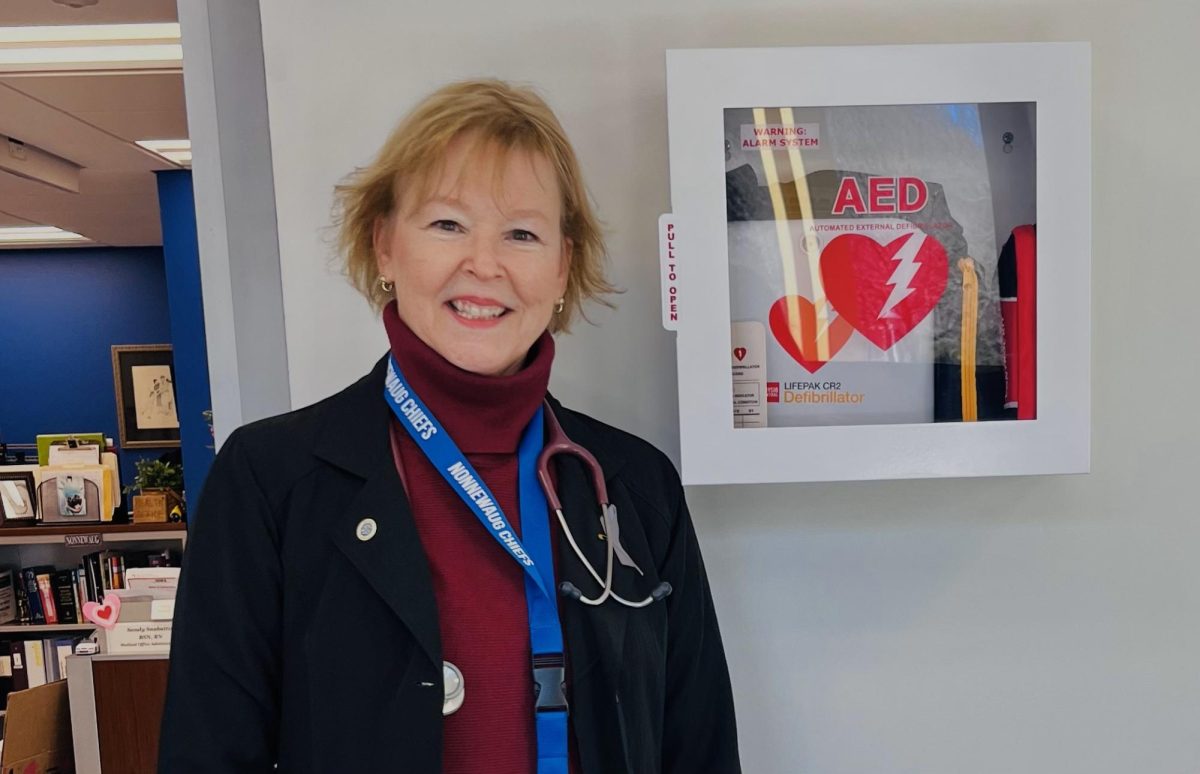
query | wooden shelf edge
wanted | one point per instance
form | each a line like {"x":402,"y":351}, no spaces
{"x":44,"y":628}
{"x":91,"y":529}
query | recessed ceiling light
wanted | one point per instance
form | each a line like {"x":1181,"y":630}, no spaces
{"x":178,"y":151}
{"x":90,"y":47}
{"x":37,"y":235}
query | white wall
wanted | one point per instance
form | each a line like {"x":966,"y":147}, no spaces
{"x":983,"y":626}
{"x":235,"y":211}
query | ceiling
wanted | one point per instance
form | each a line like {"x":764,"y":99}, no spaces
{"x":94,"y":121}
{"x":27,"y":12}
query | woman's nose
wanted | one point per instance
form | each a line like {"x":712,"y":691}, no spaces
{"x":483,"y":257}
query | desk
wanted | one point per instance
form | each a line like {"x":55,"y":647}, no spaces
{"x":116,"y":710}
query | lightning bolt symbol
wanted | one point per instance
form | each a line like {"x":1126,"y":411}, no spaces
{"x":907,"y":267}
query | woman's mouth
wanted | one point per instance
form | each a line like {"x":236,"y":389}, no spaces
{"x":476,"y":311}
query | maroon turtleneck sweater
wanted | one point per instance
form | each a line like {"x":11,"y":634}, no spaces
{"x":479,"y":589}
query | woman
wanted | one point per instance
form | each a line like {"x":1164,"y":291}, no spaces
{"x":370,"y":584}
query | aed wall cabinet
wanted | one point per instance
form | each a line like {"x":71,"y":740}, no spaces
{"x":879,"y":261}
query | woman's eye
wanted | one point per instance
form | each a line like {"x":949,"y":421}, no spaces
{"x":521,"y":235}
{"x":446,"y":225}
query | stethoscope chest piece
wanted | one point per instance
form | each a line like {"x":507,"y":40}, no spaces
{"x":455,"y":688}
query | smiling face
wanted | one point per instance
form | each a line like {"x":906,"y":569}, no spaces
{"x":480,"y":264}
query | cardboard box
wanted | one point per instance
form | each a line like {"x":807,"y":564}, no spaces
{"x":37,"y":732}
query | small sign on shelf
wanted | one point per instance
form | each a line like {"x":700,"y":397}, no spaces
{"x":89,"y":539}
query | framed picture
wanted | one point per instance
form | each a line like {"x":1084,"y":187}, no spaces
{"x":18,"y":498}
{"x":144,"y":382}
{"x":880,"y":277}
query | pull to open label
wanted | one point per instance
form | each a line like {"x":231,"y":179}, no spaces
{"x":667,"y":256}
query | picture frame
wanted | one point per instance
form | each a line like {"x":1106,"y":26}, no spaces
{"x":144,"y":384}
{"x":715,"y":98}
{"x":18,"y":498}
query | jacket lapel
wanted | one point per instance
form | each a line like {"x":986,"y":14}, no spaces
{"x":355,"y":438}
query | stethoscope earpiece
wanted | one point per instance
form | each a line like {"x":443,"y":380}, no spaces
{"x":570,"y":590}
{"x":660,"y":592}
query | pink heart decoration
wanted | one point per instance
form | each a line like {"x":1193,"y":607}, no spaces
{"x":103,"y":614}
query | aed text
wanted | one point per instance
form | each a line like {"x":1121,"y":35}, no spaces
{"x":884,"y":196}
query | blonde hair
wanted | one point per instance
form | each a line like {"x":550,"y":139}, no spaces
{"x":502,"y":118}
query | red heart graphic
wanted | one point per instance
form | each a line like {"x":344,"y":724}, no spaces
{"x":884,"y":291}
{"x":795,"y":328}
{"x":740,"y":353}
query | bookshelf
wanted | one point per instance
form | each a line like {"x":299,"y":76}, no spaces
{"x":64,"y":546}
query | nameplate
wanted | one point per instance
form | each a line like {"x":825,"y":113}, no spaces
{"x":93,"y":539}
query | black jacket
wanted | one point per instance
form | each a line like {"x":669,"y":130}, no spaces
{"x":295,"y":642}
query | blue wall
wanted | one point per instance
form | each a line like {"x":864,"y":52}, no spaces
{"x":60,"y":311}
{"x":177,"y":211}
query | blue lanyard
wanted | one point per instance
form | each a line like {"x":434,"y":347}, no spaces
{"x":545,"y":634}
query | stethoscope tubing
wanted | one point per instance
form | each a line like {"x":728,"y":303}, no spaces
{"x":606,"y":582}
{"x":559,"y":443}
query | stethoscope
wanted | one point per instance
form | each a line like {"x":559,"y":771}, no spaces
{"x":453,"y":683}
{"x":559,"y":443}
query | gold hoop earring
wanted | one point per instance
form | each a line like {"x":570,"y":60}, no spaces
{"x":559,"y":305}
{"x":386,"y":285}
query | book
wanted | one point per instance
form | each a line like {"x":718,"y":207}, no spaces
{"x":35,"y":662}
{"x":105,"y":560}
{"x":164,"y":558}
{"x":65,"y":602}
{"x":81,"y":591}
{"x":95,"y":584}
{"x":63,"y":647}
{"x":22,"y":601}
{"x":32,"y":596}
{"x":116,"y":571}
{"x":46,"y":593}
{"x":8,"y":598}
{"x":50,"y":659}
{"x":6,"y":676}
{"x":20,"y":675}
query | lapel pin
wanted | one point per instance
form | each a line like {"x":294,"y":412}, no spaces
{"x":366,"y":529}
